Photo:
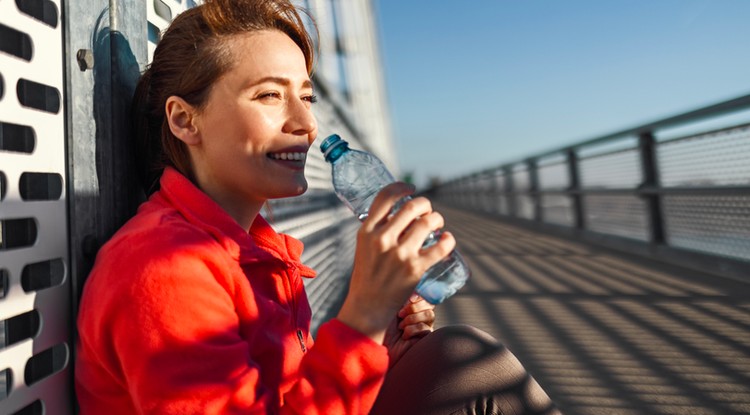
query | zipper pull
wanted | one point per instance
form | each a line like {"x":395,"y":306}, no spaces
{"x":301,"y":341}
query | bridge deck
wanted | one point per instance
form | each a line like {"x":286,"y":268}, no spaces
{"x":605,"y":333}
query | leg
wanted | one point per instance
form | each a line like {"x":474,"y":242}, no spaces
{"x":460,"y":370}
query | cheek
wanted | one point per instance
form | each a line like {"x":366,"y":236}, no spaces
{"x":242,"y":130}
{"x":259,"y":128}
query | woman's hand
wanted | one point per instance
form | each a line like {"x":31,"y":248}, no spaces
{"x":389,"y":259}
{"x":414,"y":321}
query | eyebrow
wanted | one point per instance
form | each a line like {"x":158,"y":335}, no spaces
{"x":281,"y":81}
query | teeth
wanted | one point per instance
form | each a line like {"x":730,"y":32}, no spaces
{"x":289,"y":156}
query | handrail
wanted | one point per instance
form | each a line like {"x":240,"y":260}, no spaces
{"x":649,"y":193}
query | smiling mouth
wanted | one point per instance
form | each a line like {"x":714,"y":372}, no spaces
{"x":288,"y":156}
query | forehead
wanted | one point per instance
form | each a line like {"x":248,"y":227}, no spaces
{"x":266,"y":52}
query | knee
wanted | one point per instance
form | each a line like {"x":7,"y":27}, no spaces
{"x":463,"y":344}
{"x":465,"y":333}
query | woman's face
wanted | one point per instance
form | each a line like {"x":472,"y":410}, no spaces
{"x":257,"y":126}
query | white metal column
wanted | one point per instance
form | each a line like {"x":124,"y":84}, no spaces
{"x":35,"y":312}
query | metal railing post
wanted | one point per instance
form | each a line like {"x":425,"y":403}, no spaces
{"x":536,"y":198}
{"x":510,"y":190}
{"x":494,"y":193}
{"x":474,"y":186}
{"x":649,"y":164}
{"x":575,"y":189}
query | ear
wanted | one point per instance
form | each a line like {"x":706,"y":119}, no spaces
{"x":181,"y":119}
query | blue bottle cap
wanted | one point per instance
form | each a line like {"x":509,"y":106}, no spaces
{"x":333,"y":147}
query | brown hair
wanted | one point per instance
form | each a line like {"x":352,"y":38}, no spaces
{"x":191,"y":55}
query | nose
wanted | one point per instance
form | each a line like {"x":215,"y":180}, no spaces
{"x":300,"y":119}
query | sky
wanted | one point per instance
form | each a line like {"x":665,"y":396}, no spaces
{"x":474,"y":84}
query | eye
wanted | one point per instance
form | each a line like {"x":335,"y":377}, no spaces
{"x":269,"y":95}
{"x":311,"y":98}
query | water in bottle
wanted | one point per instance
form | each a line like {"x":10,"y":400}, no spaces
{"x":358,"y":176}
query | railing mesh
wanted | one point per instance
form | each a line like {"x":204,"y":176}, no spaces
{"x":621,"y":215}
{"x":557,"y":209}
{"x":716,"y":224}
{"x":714,"y":159}
{"x":554,"y":177}
{"x":621,"y":169}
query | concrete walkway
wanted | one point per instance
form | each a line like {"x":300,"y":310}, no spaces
{"x":605,"y":333}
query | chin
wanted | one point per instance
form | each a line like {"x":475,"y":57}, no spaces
{"x":292,"y":191}
{"x":302,"y":189}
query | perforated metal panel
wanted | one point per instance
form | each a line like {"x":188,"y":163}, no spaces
{"x":557,"y":209}
{"x":499,"y":202}
{"x":554,"y":176}
{"x":553,"y":173}
{"x":35,"y":311}
{"x":484,"y":192}
{"x":524,"y":207}
{"x":621,"y":169}
{"x":715,"y":159}
{"x":521,"y":178}
{"x":716,"y":224}
{"x":617,"y":215}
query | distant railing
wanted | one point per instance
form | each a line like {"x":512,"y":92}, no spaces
{"x":647,"y":188}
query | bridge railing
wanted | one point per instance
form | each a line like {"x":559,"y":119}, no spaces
{"x":675,"y":189}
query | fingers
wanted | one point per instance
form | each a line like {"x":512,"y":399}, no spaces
{"x":410,"y":213}
{"x":406,"y":230}
{"x":413,"y":210}
{"x":416,"y":331}
{"x":418,"y":324}
{"x":384,"y":201}
{"x":424,"y":316}
{"x":441,"y":249}
{"x":413,"y":305}
{"x":417,"y":318}
{"x":416,"y":221}
{"x":421,"y":228}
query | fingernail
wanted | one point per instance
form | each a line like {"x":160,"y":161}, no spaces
{"x":414,"y":298}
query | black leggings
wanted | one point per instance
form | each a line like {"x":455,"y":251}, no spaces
{"x":460,"y":370}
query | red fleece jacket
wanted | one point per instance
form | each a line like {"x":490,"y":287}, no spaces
{"x":186,"y":313}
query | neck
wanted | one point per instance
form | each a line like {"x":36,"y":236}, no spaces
{"x":242,"y":210}
{"x":244,"y":217}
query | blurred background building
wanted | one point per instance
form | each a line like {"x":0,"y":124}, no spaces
{"x":350,"y":65}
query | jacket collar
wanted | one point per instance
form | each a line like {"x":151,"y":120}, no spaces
{"x":261,"y":243}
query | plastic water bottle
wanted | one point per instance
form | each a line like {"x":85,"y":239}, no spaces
{"x":358,"y":176}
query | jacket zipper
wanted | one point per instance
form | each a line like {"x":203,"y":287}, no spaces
{"x":301,"y":341}
{"x":293,"y":299}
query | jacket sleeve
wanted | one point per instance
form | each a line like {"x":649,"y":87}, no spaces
{"x":172,"y":335}
{"x":356,"y":363}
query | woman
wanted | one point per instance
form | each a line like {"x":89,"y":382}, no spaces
{"x":197,"y":306}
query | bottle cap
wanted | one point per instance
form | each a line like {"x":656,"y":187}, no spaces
{"x":332,"y":147}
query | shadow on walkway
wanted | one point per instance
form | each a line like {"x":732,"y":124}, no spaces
{"x":602,"y":332}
